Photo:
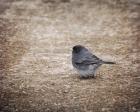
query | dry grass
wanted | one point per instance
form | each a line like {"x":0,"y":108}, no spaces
{"x":36,"y":38}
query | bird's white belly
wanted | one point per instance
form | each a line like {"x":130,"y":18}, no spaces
{"x":88,"y":72}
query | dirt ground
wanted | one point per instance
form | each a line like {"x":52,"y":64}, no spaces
{"x":36,"y":40}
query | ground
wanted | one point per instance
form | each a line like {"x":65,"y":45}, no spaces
{"x":36,"y":40}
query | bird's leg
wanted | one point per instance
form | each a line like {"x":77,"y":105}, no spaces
{"x":92,"y":76}
{"x":84,"y":77}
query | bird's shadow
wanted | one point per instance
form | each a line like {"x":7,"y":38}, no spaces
{"x":87,"y":78}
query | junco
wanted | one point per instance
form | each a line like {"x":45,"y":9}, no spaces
{"x":85,"y":62}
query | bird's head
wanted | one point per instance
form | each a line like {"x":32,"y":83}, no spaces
{"x":78,"y":48}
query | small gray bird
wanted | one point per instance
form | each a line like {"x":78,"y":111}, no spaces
{"x":85,"y":62}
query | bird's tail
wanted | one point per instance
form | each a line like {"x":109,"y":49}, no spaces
{"x":107,"y":62}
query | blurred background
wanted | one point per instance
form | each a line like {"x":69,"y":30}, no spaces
{"x":36,"y":40}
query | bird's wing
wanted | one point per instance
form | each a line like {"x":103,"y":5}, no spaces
{"x":88,"y":59}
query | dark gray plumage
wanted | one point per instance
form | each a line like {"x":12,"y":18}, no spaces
{"x":85,"y":62}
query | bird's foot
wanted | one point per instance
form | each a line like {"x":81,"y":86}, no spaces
{"x":87,"y":77}
{"x":93,"y":76}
